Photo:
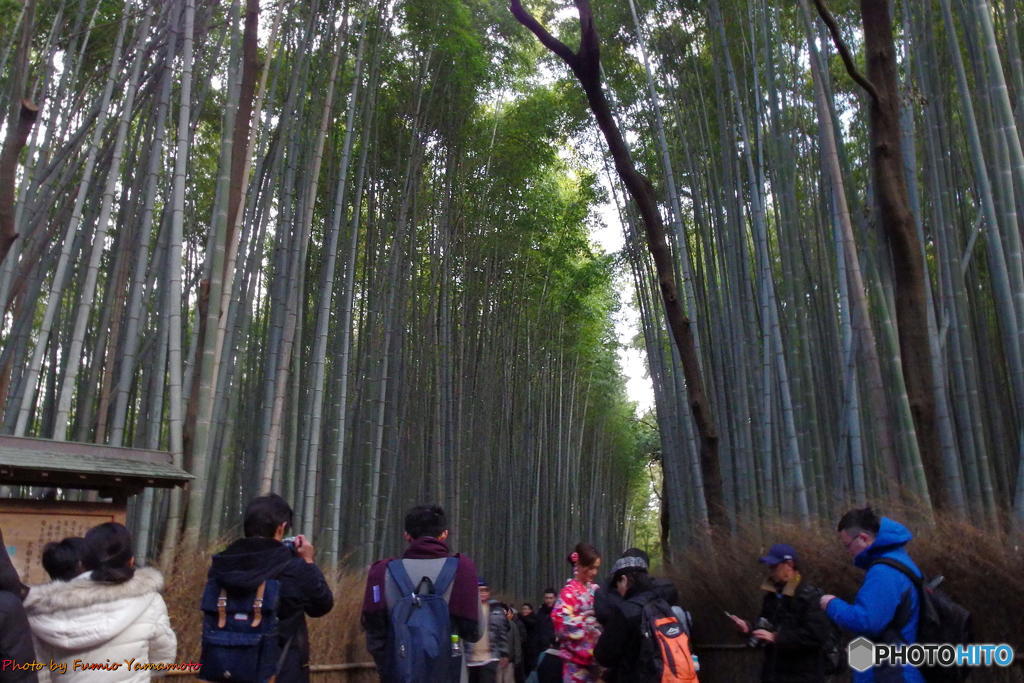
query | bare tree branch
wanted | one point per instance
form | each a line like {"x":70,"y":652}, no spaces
{"x":549,"y":41}
{"x":844,"y":50}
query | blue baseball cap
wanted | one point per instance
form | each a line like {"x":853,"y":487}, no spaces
{"x":779,"y":553}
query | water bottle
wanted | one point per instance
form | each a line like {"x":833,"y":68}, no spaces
{"x":696,"y":663}
{"x":456,"y":646}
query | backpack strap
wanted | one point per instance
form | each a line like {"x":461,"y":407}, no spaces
{"x":257,"y":605}
{"x":447,"y":575}
{"x":280,"y":660}
{"x":902,"y":616}
{"x":646,"y":602}
{"x":222,"y":609}
{"x":401,"y":577}
{"x":900,"y":567}
{"x":441,"y":584}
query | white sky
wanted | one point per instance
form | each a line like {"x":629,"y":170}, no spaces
{"x":627,"y":323}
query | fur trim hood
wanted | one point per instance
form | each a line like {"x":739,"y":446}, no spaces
{"x":81,"y":614}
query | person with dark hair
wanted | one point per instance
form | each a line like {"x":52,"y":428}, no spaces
{"x":15,"y":636}
{"x":111,"y":612}
{"x":514,"y":672}
{"x":791,"y":627}
{"x":607,"y":599}
{"x":619,"y":608}
{"x":527,"y":618}
{"x":264,"y":516}
{"x":489,"y":659}
{"x":886,"y":607}
{"x":262,"y":555}
{"x":426,"y":521}
{"x":576,"y":626}
{"x":62,"y":559}
{"x":425,"y":556}
{"x":520,"y":642}
{"x":544,"y":632}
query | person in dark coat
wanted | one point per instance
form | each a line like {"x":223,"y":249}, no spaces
{"x":544,"y":631}
{"x":620,"y":612}
{"x":15,"y":635}
{"x":608,"y":599}
{"x":792,"y":628}
{"x":260,"y":556}
{"x":528,"y":620}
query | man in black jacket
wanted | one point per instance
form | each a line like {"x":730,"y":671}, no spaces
{"x":544,"y":631}
{"x":791,"y":627}
{"x":260,"y":556}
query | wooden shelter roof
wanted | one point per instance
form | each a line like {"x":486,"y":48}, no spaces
{"x":43,"y":462}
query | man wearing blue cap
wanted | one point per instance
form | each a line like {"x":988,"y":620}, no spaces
{"x":791,"y":627}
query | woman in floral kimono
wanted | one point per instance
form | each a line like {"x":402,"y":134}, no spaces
{"x":576,"y":627}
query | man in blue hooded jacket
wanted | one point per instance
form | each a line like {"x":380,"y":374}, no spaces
{"x":886,"y":607}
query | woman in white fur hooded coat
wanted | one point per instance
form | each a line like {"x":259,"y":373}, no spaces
{"x":111,"y":617}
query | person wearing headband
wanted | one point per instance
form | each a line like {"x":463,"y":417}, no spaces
{"x":620,"y":609}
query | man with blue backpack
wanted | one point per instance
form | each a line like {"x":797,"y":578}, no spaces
{"x":421,"y":610}
{"x":886,"y":609}
{"x":258,"y":593}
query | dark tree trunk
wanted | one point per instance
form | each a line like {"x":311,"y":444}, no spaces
{"x":897,"y":224}
{"x":586,"y":65}
{"x":247,"y":92}
{"x":20,"y":119}
{"x":17,"y":135}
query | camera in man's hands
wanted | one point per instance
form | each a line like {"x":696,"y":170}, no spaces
{"x":761,"y":623}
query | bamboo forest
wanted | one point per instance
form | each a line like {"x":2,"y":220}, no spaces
{"x":344,"y":250}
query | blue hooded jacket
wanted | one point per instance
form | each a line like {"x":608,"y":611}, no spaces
{"x":879,"y":597}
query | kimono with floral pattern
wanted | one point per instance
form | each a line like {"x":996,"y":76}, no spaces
{"x":576,"y":629}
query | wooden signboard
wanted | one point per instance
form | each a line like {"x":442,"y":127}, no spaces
{"x":28,"y":525}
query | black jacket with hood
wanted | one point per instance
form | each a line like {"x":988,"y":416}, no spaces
{"x":620,"y":646}
{"x":247,"y":562}
{"x":15,"y":635}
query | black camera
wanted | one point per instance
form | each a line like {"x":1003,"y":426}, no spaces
{"x":761,"y":623}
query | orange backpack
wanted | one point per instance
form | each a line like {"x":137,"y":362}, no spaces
{"x":666,"y":644}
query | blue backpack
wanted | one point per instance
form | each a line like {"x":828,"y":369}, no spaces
{"x":240,"y":634}
{"x":421,"y":631}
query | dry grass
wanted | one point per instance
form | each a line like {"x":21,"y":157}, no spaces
{"x":981,"y":573}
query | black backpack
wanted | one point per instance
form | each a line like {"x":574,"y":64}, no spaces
{"x":940,"y":620}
